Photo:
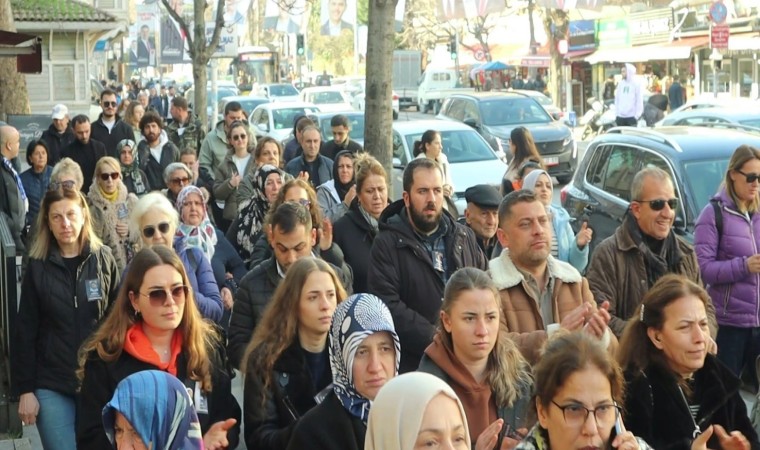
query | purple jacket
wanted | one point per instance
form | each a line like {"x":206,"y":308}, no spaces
{"x":735,"y":291}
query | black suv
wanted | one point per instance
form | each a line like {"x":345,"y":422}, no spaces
{"x":696,"y":158}
{"x":495,"y":114}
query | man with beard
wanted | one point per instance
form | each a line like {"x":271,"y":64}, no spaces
{"x":185,"y":130}
{"x":59,"y":135}
{"x":109,"y":128}
{"x":155,"y":152}
{"x":539,"y":293}
{"x":85,"y":151}
{"x":319,"y":168}
{"x":418,"y":248}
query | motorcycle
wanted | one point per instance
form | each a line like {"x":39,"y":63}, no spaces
{"x":596,"y":108}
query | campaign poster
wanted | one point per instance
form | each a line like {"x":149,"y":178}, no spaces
{"x":284,"y":17}
{"x":337,"y":17}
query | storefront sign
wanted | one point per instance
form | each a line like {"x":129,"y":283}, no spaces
{"x":649,"y":27}
{"x":719,"y":36}
{"x":612,"y":33}
{"x":582,"y":35}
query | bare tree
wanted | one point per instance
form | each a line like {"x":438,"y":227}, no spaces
{"x":556,"y":24}
{"x":200,"y":51}
{"x":14,"y":98}
{"x":378,"y":135}
{"x":480,"y":27}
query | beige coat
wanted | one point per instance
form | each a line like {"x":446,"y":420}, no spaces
{"x":105,"y":216}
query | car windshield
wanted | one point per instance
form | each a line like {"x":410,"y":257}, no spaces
{"x":326,"y":97}
{"x":356,"y":124}
{"x":704,"y":178}
{"x":542,"y":99}
{"x":751,"y":122}
{"x":460,"y":146}
{"x":512,"y":111}
{"x":282,"y":90}
{"x":286,"y":117}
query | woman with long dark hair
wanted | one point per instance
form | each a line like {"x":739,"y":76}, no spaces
{"x":523,"y":150}
{"x":430,"y":146}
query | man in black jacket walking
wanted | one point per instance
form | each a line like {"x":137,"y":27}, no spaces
{"x":85,"y":150}
{"x":418,"y":248}
{"x":59,"y":135}
{"x":109,"y":128}
{"x":155,"y":152}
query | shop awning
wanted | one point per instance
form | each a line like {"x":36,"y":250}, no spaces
{"x":577,"y":55}
{"x":680,"y":49}
{"x":744,"y":41}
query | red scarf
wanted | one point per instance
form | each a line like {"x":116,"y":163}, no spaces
{"x":138,"y":345}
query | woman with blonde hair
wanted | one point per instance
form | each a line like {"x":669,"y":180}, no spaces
{"x":132,"y":116}
{"x":474,"y":355}
{"x":111,"y":204}
{"x":286,"y":364}
{"x":154,"y":324}
{"x":67,"y":174}
{"x":69,"y":283}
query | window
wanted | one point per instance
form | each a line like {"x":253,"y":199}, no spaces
{"x":595,"y":173}
{"x":398,"y":149}
{"x":456,"y":110}
{"x":471,"y":112}
{"x":621,"y":168}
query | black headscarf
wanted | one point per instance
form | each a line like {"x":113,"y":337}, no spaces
{"x":340,"y":188}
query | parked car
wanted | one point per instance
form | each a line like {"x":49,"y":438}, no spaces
{"x":495,"y":115}
{"x":356,"y":119}
{"x":359,"y":102}
{"x":696,"y":158}
{"x":276,"y":119}
{"x":471,"y":159}
{"x":552,"y":109}
{"x":211,"y":102}
{"x":281,"y":92}
{"x":709,"y":101}
{"x":327,"y":98}
{"x":434,"y":86}
{"x":749,"y":116}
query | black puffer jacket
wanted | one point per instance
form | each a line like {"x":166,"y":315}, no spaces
{"x":55,"y":317}
{"x":329,"y":426}
{"x":56,"y":142}
{"x":401,"y":273}
{"x":121,"y":130}
{"x":354,"y":235}
{"x":656,"y":411}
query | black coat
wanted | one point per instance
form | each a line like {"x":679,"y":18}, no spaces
{"x":55,"y":317}
{"x":87,"y":156}
{"x":401,"y":273}
{"x":330,"y":148}
{"x":656,"y":411}
{"x":354,"y":235}
{"x":12,"y":208}
{"x":153,"y":169}
{"x":101,"y":378}
{"x":328,"y":426}
{"x":269,"y":422}
{"x":56,"y":142}
{"x":121,"y":130}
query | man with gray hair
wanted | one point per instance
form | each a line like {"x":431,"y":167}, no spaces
{"x":643,"y":249}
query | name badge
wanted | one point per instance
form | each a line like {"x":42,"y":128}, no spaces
{"x":94,"y":292}
{"x":199,"y":399}
{"x":122,"y":213}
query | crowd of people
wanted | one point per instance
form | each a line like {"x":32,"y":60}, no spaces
{"x":160,"y":259}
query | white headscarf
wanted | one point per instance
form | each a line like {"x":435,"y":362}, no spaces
{"x":396,"y":414}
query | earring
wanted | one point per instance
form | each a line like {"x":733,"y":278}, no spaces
{"x":138,"y":316}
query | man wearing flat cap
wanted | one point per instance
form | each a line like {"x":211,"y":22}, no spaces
{"x":482,"y":216}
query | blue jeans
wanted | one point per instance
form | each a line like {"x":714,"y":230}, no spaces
{"x":56,"y":421}
{"x":738,"y":348}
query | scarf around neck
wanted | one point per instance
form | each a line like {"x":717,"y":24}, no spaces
{"x":355,"y":319}
{"x":667,"y":260}
{"x":202,"y":236}
{"x":137,"y":344}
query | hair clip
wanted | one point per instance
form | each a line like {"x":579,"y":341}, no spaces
{"x":641,"y":314}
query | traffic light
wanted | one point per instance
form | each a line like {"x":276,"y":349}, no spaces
{"x":300,"y":48}
{"x":453,"y":47}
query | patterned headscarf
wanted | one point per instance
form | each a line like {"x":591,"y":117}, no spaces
{"x":133,"y":170}
{"x":355,"y":319}
{"x":159,"y":408}
{"x":252,"y":211}
{"x":202,"y":236}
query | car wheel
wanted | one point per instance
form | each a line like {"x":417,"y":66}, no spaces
{"x":565,"y":179}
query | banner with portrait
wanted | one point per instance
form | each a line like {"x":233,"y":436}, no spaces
{"x":337,"y":17}
{"x":141,"y":42}
{"x":285,"y":17}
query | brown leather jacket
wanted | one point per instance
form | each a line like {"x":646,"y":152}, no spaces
{"x":521,"y":312}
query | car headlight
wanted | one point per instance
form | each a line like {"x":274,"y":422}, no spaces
{"x":569,"y":141}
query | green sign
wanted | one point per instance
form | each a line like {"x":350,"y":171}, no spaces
{"x":612,"y":33}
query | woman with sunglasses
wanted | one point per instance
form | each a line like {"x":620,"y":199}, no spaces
{"x":110,"y":205}
{"x":477,"y":359}
{"x":67,"y":174}
{"x":196,"y":230}
{"x":565,"y":245}
{"x":176,"y":176}
{"x":237,"y":164}
{"x":286,"y":364}
{"x":154,"y":324}
{"x":131,"y":175}
{"x":727,"y":244}
{"x":155,"y":220}
{"x":68,"y":285}
{"x":679,"y":396}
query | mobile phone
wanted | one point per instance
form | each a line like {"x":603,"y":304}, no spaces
{"x":616,"y":430}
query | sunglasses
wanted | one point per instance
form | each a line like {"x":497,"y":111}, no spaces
{"x":303,"y":202}
{"x":55,"y":185}
{"x":238,"y":137}
{"x":659,"y":204}
{"x":150,"y":230}
{"x":750,"y":177}
{"x":109,"y":104}
{"x":158,"y":297}
{"x":183,"y":180}
{"x":106,"y":176}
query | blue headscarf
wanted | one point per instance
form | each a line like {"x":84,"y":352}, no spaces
{"x":356,"y":318}
{"x":159,"y":408}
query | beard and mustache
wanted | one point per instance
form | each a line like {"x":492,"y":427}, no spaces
{"x":423,"y":223}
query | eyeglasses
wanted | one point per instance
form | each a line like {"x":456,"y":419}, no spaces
{"x":106,"y":176}
{"x":659,"y":204}
{"x":303,"y":202}
{"x":576,"y":415}
{"x":750,"y":177}
{"x":158,"y":297}
{"x":109,"y":104}
{"x":150,"y":230}
{"x":238,"y":137}
{"x":55,"y":185}
{"x":183,"y":180}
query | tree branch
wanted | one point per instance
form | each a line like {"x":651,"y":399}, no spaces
{"x":181,"y":21}
{"x":209,"y":50}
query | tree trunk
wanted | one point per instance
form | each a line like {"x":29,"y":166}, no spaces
{"x":378,"y":135}
{"x":14,"y":98}
{"x":559,"y":20}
